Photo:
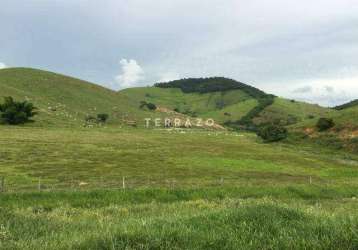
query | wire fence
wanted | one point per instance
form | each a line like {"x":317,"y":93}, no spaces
{"x":9,"y":184}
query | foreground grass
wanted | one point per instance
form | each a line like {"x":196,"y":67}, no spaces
{"x":183,"y":190}
{"x":214,"y":218}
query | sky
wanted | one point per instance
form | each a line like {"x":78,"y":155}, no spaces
{"x":305,"y":50}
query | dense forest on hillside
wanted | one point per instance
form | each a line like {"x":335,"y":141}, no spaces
{"x":211,"y":84}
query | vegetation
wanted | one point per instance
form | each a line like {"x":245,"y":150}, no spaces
{"x":102,"y":117}
{"x":211,"y":84}
{"x":193,"y":190}
{"x":66,"y":186}
{"x":272,"y":133}
{"x":149,"y":105}
{"x":216,"y":218}
{"x":324,"y":124}
{"x":247,"y":121}
{"x":347,"y":105}
{"x":65,"y":101}
{"x":13,"y":113}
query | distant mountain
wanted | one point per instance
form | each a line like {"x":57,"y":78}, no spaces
{"x":347,"y":105}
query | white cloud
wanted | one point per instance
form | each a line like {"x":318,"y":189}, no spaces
{"x":169,"y":76}
{"x":2,"y":65}
{"x":131,"y":74}
{"x":325,"y":91}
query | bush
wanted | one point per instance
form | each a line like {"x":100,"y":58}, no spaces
{"x":149,"y":105}
{"x":102,"y":117}
{"x":272,"y":133}
{"x":324,"y":124}
{"x":13,"y":113}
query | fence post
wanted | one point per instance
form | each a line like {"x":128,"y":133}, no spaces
{"x":2,"y":185}
{"x":124,"y":182}
{"x":39,"y":185}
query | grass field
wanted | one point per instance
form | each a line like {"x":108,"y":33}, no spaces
{"x":183,"y":190}
{"x":67,"y":186}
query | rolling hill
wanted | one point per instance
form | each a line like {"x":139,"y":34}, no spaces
{"x":225,"y":100}
{"x":66,"y":101}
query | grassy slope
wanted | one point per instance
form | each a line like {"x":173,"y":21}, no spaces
{"x":183,"y":190}
{"x":235,"y":102}
{"x":291,"y":112}
{"x":351,"y":104}
{"x":73,"y":99}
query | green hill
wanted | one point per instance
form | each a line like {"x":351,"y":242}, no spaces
{"x":347,"y":105}
{"x":63,"y":100}
{"x":66,"y":101}
{"x":221,"y":106}
{"x":225,"y":100}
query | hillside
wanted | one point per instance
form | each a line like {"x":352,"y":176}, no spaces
{"x":225,"y":100}
{"x":344,"y":134}
{"x":66,"y":101}
{"x":63,"y":100}
{"x":347,"y":105}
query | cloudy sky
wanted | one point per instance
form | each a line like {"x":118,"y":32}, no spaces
{"x":305,"y":49}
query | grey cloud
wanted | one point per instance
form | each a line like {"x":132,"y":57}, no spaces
{"x":258,"y":42}
{"x":302,"y":90}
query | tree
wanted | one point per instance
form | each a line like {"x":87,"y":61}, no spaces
{"x":13,"y":113}
{"x":324,"y":124}
{"x":102,"y":117}
{"x":272,"y":133}
{"x":149,"y":105}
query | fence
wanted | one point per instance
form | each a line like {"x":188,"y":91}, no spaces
{"x":10,"y":184}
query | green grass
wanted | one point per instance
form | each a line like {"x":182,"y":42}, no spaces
{"x":208,"y":105}
{"x":65,"y":101}
{"x":289,"y":112}
{"x":177,"y":219}
{"x":102,"y":156}
{"x":183,"y":189}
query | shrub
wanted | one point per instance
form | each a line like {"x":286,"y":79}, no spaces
{"x":13,"y":113}
{"x":272,"y":133}
{"x":149,"y":105}
{"x":102,"y":117}
{"x":324,"y":124}
{"x":90,"y":118}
